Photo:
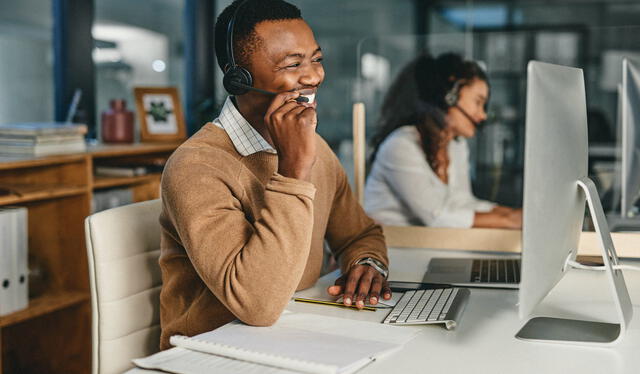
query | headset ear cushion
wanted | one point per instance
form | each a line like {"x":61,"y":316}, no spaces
{"x":234,"y":78}
{"x":451,"y":98}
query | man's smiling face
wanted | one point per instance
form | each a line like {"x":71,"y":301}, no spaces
{"x":287,"y":59}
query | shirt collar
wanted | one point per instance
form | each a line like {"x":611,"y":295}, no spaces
{"x":245,"y":138}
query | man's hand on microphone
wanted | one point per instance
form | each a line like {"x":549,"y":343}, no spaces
{"x":292,"y":126}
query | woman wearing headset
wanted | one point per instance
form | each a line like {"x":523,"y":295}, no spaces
{"x":420,"y":167}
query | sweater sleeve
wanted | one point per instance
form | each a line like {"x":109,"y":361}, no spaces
{"x":351,"y":234}
{"x":410,"y":177}
{"x":253,"y":268}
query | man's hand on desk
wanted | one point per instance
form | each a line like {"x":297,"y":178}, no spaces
{"x":360,"y":283}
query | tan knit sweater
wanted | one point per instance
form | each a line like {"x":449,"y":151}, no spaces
{"x":238,"y":239}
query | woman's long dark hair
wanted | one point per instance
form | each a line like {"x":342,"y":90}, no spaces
{"x":417,"y":98}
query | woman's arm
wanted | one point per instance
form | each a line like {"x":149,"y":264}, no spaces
{"x":499,"y":217}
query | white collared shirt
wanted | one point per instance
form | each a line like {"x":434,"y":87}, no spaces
{"x":402,"y":188}
{"x":244,"y":137}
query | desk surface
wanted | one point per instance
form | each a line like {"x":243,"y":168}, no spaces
{"x":484,"y":341}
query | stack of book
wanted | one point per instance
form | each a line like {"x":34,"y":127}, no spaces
{"x":41,"y":139}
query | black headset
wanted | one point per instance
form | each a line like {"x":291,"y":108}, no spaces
{"x":452,"y":97}
{"x":237,"y":80}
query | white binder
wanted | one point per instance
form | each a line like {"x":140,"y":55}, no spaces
{"x":20,"y":255}
{"x":14,"y":291}
{"x":6,"y":263}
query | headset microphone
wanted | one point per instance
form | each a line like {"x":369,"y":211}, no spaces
{"x":464,"y":112}
{"x":300,"y":99}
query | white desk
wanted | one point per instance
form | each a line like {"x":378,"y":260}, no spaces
{"x":484,"y":341}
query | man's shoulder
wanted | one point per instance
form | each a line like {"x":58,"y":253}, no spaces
{"x":324,"y":149}
{"x":211,"y":146}
{"x":327,"y":157}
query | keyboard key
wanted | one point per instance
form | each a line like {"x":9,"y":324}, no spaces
{"x":484,"y":272}
{"x":475,"y":271}
{"x":447,"y":306}
{"x":495,"y":271}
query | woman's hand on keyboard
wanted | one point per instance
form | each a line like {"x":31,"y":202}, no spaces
{"x":362,"y":283}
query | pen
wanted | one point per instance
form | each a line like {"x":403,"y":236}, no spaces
{"x":323,"y":302}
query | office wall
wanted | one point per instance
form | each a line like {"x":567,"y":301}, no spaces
{"x":139,"y":33}
{"x":26,"y":61}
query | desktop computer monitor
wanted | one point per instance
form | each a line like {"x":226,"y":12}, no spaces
{"x":630,"y":121}
{"x":556,"y":188}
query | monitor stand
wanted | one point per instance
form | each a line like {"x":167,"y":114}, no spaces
{"x":559,"y":330}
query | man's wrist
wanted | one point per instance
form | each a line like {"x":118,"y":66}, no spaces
{"x":377,"y":265}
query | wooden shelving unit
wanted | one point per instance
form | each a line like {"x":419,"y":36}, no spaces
{"x":108,"y":182}
{"x":45,"y":304}
{"x":53,"y":334}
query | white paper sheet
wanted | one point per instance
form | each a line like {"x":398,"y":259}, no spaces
{"x":184,"y":361}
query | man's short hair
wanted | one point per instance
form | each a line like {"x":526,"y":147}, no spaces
{"x":245,"y":39}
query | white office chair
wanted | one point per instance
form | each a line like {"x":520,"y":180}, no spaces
{"x":123,"y":245}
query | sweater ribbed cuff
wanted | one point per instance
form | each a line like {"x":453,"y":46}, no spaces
{"x":292,"y":186}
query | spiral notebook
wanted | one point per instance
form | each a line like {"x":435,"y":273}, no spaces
{"x":297,"y":343}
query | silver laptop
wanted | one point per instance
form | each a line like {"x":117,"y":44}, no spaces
{"x":475,"y":272}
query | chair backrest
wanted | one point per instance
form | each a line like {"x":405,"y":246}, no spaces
{"x":123,"y":246}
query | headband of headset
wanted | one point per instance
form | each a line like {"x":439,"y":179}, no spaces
{"x":235,"y":76}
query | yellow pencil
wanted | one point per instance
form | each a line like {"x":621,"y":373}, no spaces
{"x":323,"y":302}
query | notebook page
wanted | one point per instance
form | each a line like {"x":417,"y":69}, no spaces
{"x":295,"y":342}
{"x":184,"y":361}
{"x":349,"y":328}
{"x":294,"y":349}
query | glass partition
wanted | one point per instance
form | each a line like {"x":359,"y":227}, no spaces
{"x":496,"y":151}
{"x":136,"y":44}
{"x":26,"y":61}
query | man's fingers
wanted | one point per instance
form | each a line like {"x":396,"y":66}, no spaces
{"x":386,"y":291}
{"x":279,"y":100}
{"x":309,"y":116}
{"x":278,"y":115}
{"x":337,"y":287}
{"x":376,"y":286}
{"x":364,"y":286}
{"x":351,"y":283}
{"x":294,"y":112}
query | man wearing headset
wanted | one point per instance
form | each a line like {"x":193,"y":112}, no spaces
{"x":249,"y":200}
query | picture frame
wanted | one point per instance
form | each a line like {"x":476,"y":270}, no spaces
{"x":160,"y":114}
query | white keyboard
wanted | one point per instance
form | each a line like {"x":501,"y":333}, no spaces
{"x":443,"y":305}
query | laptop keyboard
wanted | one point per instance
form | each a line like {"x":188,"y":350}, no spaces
{"x":495,"y":271}
{"x":443,"y":305}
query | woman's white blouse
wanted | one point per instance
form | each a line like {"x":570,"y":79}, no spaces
{"x":402,"y":189}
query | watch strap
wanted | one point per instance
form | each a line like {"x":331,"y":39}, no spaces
{"x":377,"y":265}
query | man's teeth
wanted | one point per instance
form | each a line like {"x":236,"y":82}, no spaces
{"x":311,"y":98}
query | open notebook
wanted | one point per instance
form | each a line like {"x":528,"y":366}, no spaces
{"x":297,"y":343}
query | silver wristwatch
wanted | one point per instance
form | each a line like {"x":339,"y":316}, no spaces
{"x":379,"y":266}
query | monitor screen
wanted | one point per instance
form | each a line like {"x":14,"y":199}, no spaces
{"x":556,"y":156}
{"x":630,"y":118}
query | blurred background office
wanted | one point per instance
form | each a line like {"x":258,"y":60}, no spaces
{"x":50,"y":50}
{"x":106,"y":47}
